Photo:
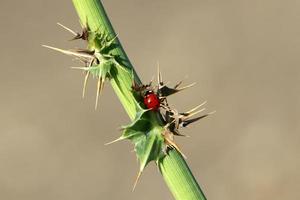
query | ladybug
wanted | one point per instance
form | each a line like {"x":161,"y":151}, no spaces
{"x":151,"y":100}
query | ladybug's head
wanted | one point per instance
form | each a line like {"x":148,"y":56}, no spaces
{"x":148,"y":92}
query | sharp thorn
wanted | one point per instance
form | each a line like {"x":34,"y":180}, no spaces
{"x":136,"y":180}
{"x":173,"y":144}
{"x":70,"y":53}
{"x":187,"y":122}
{"x":193,"y":109}
{"x":86,"y":51}
{"x":102,"y":85}
{"x":178,"y":84}
{"x":85,"y":83}
{"x":189,"y":115}
{"x":169,"y":123}
{"x":98,"y":91}
{"x":159,"y":77}
{"x":179,"y":134}
{"x":68,"y":29}
{"x":213,"y":112}
{"x":81,"y":68}
{"x":186,"y":87}
{"x":202,"y":104}
{"x":77,"y":37}
{"x":114,"y":141}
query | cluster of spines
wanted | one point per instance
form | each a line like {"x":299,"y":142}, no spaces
{"x":151,"y":139}
{"x":97,"y":58}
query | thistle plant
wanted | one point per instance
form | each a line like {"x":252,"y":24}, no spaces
{"x":154,"y":123}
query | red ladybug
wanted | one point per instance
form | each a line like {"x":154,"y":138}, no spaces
{"x":151,"y":100}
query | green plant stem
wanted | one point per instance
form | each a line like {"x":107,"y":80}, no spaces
{"x":173,"y":167}
{"x":91,"y":12}
{"x":179,"y":178}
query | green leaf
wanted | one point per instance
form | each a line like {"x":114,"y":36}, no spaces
{"x":146,"y":137}
{"x":149,"y":147}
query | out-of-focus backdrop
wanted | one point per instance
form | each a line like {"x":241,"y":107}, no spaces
{"x":244,"y":55}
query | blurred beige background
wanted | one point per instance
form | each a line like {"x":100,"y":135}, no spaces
{"x":244,"y":55}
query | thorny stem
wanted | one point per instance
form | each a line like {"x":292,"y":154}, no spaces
{"x":173,"y":167}
{"x":91,"y":12}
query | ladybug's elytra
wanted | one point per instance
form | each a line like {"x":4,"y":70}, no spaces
{"x":151,"y":100}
